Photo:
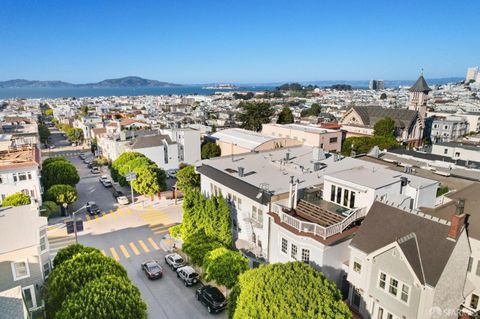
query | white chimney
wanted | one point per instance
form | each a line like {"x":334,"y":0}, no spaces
{"x":318,"y":154}
{"x":290,"y":193}
{"x":296,"y":194}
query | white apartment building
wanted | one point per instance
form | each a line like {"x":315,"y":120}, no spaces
{"x":20,"y":172}
{"x":24,"y":257}
{"x":188,"y":142}
{"x":457,"y":151}
{"x":446,"y":129}
{"x":303,"y":204}
{"x":86,"y":124}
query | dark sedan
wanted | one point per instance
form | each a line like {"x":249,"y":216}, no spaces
{"x":152,"y":269}
{"x":212,"y":298}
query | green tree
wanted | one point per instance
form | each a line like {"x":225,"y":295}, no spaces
{"x":70,"y":251}
{"x":383,"y":96}
{"x":74,"y":274}
{"x":285,"y":116}
{"x":120,"y":161}
{"x":196,"y":246}
{"x":176,"y":231}
{"x":75,"y":135}
{"x":314,"y":110}
{"x":385,"y":127}
{"x":48,"y":112}
{"x":51,"y":160}
{"x":43,"y":132}
{"x":287,"y":290}
{"x":224,"y":266}
{"x":363,"y":144}
{"x":48,"y":208}
{"x":210,"y":149}
{"x":16,"y":199}
{"x":254,"y":114}
{"x":131,"y":166}
{"x":105,"y":298}
{"x":59,"y":172}
{"x":61,"y":193}
{"x":150,"y":180}
{"x":188,"y":179}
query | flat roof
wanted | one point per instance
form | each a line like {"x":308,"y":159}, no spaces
{"x":305,"y":128}
{"x":459,"y":145}
{"x":243,"y":138}
{"x":267,"y":169}
{"x":21,"y":226}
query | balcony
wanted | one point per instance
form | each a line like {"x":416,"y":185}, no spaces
{"x":322,"y":219}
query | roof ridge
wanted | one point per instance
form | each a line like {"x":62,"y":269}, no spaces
{"x":415,"y":211}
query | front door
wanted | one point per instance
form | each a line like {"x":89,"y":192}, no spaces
{"x":29,"y":296}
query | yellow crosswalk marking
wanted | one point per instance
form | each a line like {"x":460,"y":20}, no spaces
{"x":129,"y":211}
{"x":97,"y":216}
{"x":114,"y":254}
{"x":88,"y":217}
{"x":121,"y":213}
{"x":134,"y":248}
{"x":153,"y":243}
{"x":144,"y":247}
{"x":124,"y":251}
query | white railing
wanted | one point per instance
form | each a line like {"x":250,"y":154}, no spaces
{"x":313,"y":228}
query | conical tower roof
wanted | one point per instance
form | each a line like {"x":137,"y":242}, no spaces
{"x":420,"y":86}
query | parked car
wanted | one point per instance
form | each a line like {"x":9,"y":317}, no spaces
{"x":52,"y":147}
{"x":152,"y":269}
{"x":123,"y":200}
{"x":188,"y":275}
{"x":175,"y":261}
{"x":92,"y":208}
{"x":212,"y":298}
{"x":107,"y":183}
{"x":95,"y":170}
{"x":82,"y":156}
{"x":90,"y":165}
{"x":103,"y":178}
{"x":87,"y":160}
{"x":172,"y":173}
{"x":117,"y":193}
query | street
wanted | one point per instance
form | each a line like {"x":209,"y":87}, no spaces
{"x":130,"y":234}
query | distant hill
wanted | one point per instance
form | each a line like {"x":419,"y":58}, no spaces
{"x":125,"y":82}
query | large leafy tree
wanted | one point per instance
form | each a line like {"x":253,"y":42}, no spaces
{"x":385,"y":128}
{"x":254,"y":114}
{"x":198,"y":245}
{"x":74,"y":274}
{"x":120,"y":161}
{"x":224,"y":266}
{"x":59,"y":172}
{"x":61,"y":193}
{"x":150,"y":180}
{"x":105,"y":298}
{"x":131,"y":166}
{"x":70,"y":251}
{"x":285,"y":116}
{"x":289,"y":290}
{"x":51,"y":160}
{"x":210,"y":149}
{"x":43,"y":132}
{"x":188,"y":179}
{"x":16,"y":199}
{"x":314,"y":110}
{"x":363,"y":144}
{"x":75,"y":134}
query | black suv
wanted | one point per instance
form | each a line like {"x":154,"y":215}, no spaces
{"x":212,"y":298}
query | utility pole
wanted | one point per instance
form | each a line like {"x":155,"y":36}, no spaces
{"x":74,"y":217}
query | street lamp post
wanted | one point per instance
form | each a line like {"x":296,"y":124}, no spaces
{"x":131,"y":176}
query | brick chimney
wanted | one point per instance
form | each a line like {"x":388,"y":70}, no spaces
{"x":458,"y":220}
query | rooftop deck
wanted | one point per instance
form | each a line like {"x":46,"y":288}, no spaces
{"x":20,"y":155}
{"x":319,"y":218}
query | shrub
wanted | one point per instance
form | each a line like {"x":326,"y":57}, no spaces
{"x":16,"y":199}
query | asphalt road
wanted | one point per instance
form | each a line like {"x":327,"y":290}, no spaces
{"x":131,"y":235}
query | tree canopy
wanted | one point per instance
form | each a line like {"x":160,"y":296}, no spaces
{"x":254,"y":114}
{"x":120,"y":161}
{"x":70,"y":251}
{"x":286,"y":290}
{"x":197,"y":245}
{"x":51,"y":160}
{"x":43,"y":132}
{"x":105,"y":298}
{"x":363,"y":144}
{"x":385,"y":128}
{"x":16,"y":199}
{"x":48,"y":208}
{"x":188,"y":179}
{"x":61,"y":193}
{"x":314,"y":110}
{"x":59,"y":172}
{"x":74,"y":274}
{"x":224,"y":266}
{"x":285,"y":116}
{"x":210,"y":149}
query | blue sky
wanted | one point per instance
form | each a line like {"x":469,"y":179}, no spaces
{"x":188,"y":41}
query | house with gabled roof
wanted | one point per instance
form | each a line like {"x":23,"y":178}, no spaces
{"x":408,"y":264}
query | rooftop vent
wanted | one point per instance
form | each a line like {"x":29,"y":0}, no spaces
{"x":287,"y":156}
{"x":241,"y":171}
{"x":318,"y":154}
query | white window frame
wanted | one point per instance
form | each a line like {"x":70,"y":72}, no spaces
{"x":12,"y":264}
{"x":359,"y":270}
{"x":32,"y":292}
{"x":399,"y":287}
{"x":293,"y":251}
{"x":309,"y":255}
{"x":282,"y":240}
{"x":49,"y":269}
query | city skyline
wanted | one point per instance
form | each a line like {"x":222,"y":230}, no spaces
{"x":236,"y":42}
